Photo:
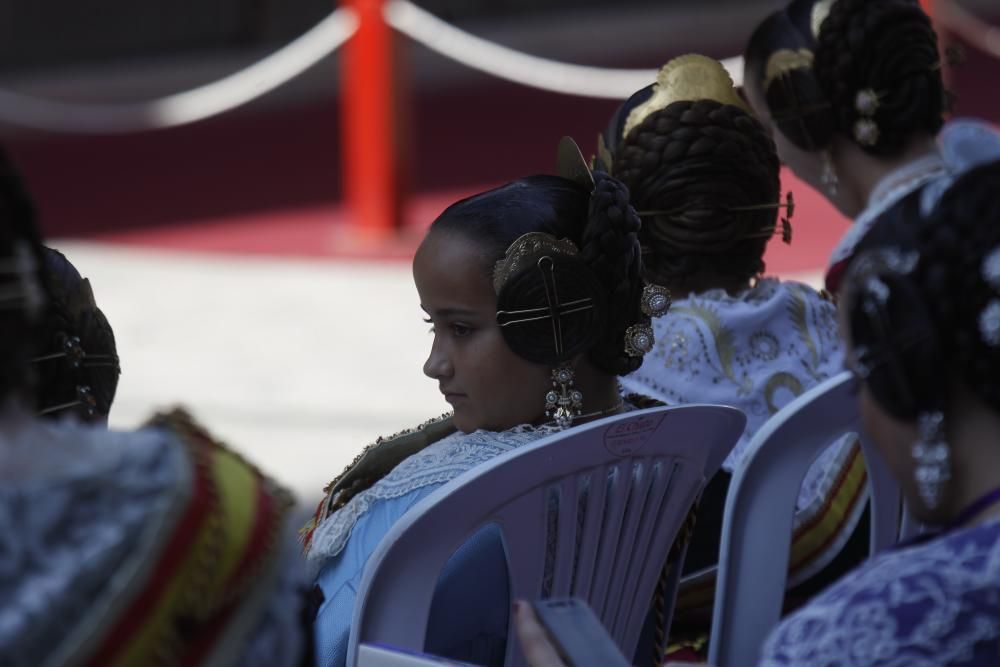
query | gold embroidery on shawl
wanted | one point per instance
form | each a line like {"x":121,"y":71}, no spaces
{"x":723,"y":337}
{"x":778,"y":381}
{"x":372,"y":464}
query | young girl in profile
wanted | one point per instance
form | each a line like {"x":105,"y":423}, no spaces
{"x":535,"y":296}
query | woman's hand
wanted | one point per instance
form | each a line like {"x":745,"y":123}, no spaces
{"x":538,"y":649}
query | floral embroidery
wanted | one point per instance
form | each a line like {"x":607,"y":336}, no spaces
{"x":937,"y":603}
{"x":439,"y":463}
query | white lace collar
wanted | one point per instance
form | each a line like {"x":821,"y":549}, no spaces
{"x":890,"y":189}
{"x":434,"y":465}
{"x":963,"y":144}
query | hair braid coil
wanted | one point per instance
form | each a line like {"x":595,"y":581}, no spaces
{"x":690,"y":167}
{"x":889,"y":47}
{"x":610,"y":246}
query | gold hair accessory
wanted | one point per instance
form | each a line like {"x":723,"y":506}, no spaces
{"x":687,"y":78}
{"x":828,"y":175}
{"x":680,"y":213}
{"x":526,"y":248}
{"x":865,"y":128}
{"x":784,"y":61}
{"x":638,"y":340}
{"x":655,"y":300}
{"x":570,"y":164}
{"x":818,"y":14}
{"x":786,"y":220}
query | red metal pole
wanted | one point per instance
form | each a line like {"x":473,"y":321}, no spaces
{"x":368,"y":129}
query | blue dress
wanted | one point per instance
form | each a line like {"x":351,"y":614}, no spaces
{"x":468,"y":619}
{"x":926,"y":605}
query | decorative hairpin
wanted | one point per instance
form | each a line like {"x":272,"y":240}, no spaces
{"x":879,"y":293}
{"x":687,"y":78}
{"x":526,"y":248}
{"x":73,"y":352}
{"x":638,"y":340}
{"x":84,"y":397}
{"x":818,"y":14}
{"x":786,"y":220}
{"x":867,"y":101}
{"x":783,"y":61}
{"x":989,"y":323}
{"x":866,"y":104}
{"x":990,"y":269}
{"x":655,"y":300}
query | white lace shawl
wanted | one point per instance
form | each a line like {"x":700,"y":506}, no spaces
{"x":963,"y":144}
{"x":435,"y":465}
{"x":755,"y":351}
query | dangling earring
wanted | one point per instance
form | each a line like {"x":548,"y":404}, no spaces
{"x":563,"y":402}
{"x":828,"y":177}
{"x":931,"y":454}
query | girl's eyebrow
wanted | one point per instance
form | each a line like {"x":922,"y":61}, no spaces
{"x":451,"y":312}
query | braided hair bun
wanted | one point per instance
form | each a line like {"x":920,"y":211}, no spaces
{"x":936,"y":313}
{"x":811,"y":72}
{"x":74,"y":322}
{"x":889,"y":47}
{"x":610,"y":245}
{"x":602,"y":267}
{"x":702,"y":173}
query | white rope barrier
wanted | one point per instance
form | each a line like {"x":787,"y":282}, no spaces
{"x":189,"y":106}
{"x":506,"y":63}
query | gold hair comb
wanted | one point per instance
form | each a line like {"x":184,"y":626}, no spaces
{"x":687,"y":78}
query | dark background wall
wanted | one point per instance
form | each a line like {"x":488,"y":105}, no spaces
{"x":466,"y":129}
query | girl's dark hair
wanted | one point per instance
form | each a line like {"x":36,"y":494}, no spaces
{"x":940,"y":318}
{"x":20,"y":313}
{"x":607,"y":269}
{"x":701,"y":164}
{"x":73,"y":322}
{"x":887,"y":46}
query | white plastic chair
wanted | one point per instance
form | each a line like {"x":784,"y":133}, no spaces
{"x":760,"y":507}
{"x":616,"y":491}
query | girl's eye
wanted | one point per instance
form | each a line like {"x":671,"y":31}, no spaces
{"x":460,"y":330}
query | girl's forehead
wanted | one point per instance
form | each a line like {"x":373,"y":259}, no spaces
{"x":450,"y":272}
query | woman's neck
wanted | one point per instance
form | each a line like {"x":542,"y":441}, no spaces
{"x":599,"y":389}
{"x":974,"y":435}
{"x":860,"y":173}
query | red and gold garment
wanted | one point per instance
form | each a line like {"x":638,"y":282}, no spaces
{"x":158,"y":547}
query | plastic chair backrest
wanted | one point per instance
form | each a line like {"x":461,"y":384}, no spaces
{"x":590,"y":512}
{"x":760,"y":508}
